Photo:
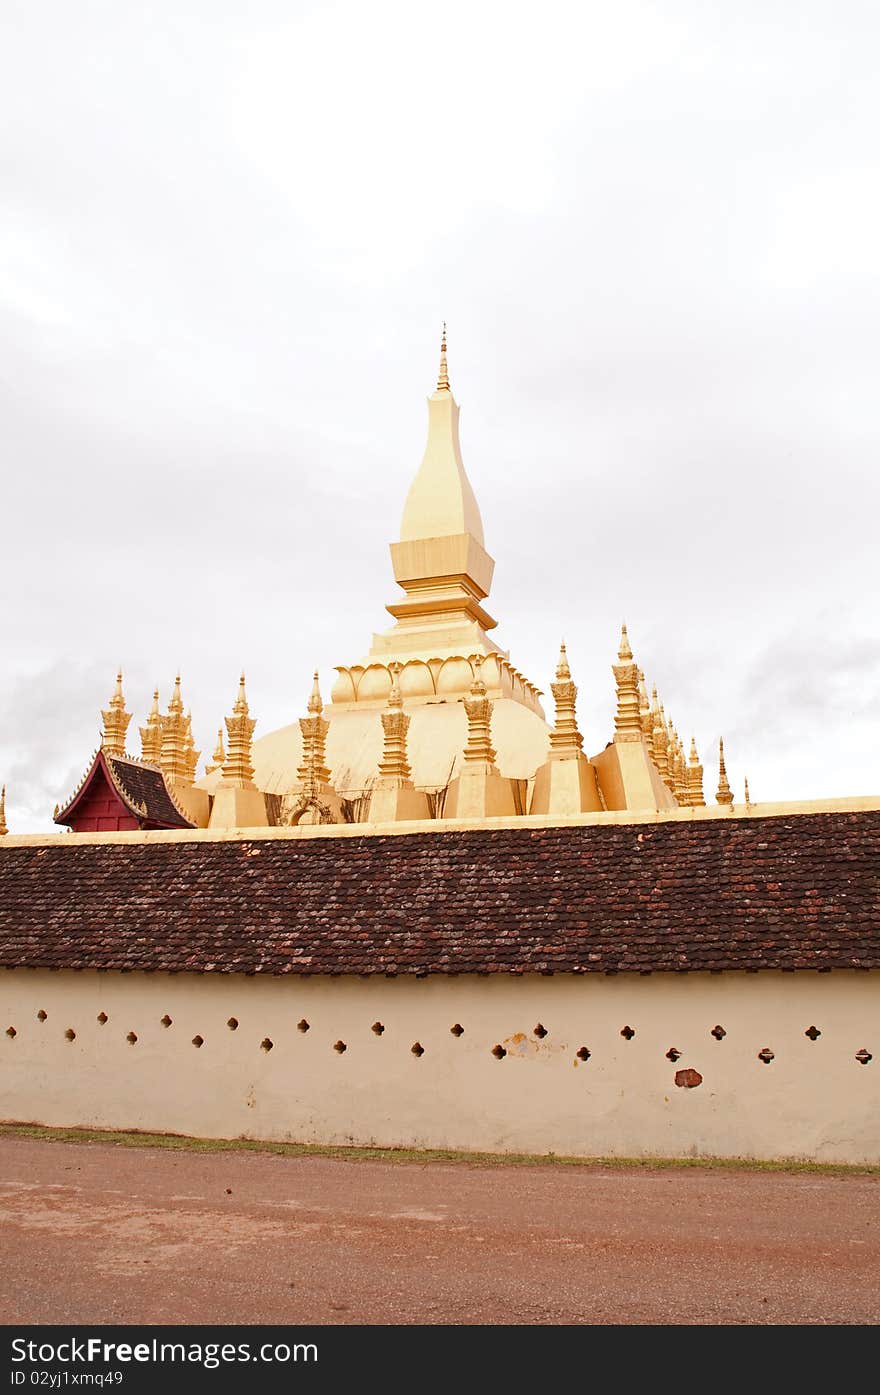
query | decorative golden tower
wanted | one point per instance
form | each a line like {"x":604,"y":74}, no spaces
{"x":151,"y":734}
{"x":313,"y":771}
{"x":192,"y":755}
{"x":219,"y":755}
{"x":647,"y":721}
{"x":116,"y":721}
{"x":659,"y":741}
{"x":566,"y":783}
{"x":3,"y":825}
{"x":238,"y":767}
{"x":724,"y":794}
{"x":479,"y":715}
{"x":479,"y":791}
{"x":393,"y":797}
{"x":565,"y":739}
{"x":695,"y":778}
{"x":627,"y":721}
{"x":746,"y":784}
{"x":395,"y":725}
{"x":679,"y":775}
{"x":175,"y":758}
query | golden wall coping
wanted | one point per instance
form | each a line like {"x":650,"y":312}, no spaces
{"x":852,"y":804}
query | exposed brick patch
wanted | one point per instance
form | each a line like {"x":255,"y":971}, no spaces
{"x":688,"y":1079}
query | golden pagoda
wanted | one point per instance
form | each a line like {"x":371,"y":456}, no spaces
{"x":434,"y":720}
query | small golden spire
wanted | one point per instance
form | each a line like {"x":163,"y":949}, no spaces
{"x":116,"y":721}
{"x":645,"y":717}
{"x":478,"y":709}
{"x":151,"y":734}
{"x":695,"y":778}
{"x":192,"y":755}
{"x":443,"y":376}
{"x":627,"y":719}
{"x":313,"y":771}
{"x":316,"y":704}
{"x":659,"y":742}
{"x":724,"y":794}
{"x":178,"y":748}
{"x":395,"y":698}
{"x":565,"y":739}
{"x":238,"y":766}
{"x":4,"y":829}
{"x":219,"y":755}
{"x":394,"y":764}
{"x":746,"y":783}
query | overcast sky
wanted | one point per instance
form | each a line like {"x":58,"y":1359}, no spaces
{"x":228,"y":236}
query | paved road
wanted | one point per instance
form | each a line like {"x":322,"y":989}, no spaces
{"x":102,"y":1233}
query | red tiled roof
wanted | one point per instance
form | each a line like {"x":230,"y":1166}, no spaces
{"x":140,"y":787}
{"x":799,"y":892}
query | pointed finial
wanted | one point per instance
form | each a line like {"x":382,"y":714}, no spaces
{"x":3,"y":826}
{"x":562,"y":668}
{"x":624,"y":653}
{"x":694,"y":758}
{"x":316,"y":704}
{"x":241,"y":702}
{"x":746,"y":783}
{"x":219,"y":753}
{"x":443,"y":376}
{"x":724,"y":794}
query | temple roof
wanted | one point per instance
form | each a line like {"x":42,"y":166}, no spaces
{"x":140,"y":787}
{"x":792,"y":893}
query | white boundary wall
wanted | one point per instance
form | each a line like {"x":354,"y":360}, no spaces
{"x":814,"y":1100}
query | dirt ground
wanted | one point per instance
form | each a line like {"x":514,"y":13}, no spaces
{"x":103,"y":1233}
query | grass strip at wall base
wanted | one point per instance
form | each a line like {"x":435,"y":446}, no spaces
{"x":134,"y":1138}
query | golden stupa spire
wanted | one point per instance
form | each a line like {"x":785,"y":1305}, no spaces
{"x":395,"y":724}
{"x":177,"y":747}
{"x":443,"y":375}
{"x":645,"y":718}
{"x":695,"y":778}
{"x":116,"y":721}
{"x":237,"y":767}
{"x":680,"y":789}
{"x":627,"y":721}
{"x":724,"y":794}
{"x":659,"y":743}
{"x":219,"y":755}
{"x":192,"y":755}
{"x":313,"y":770}
{"x":151,"y":734}
{"x":746,"y":784}
{"x":478,"y":708}
{"x":565,"y":738}
{"x":3,"y":825}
